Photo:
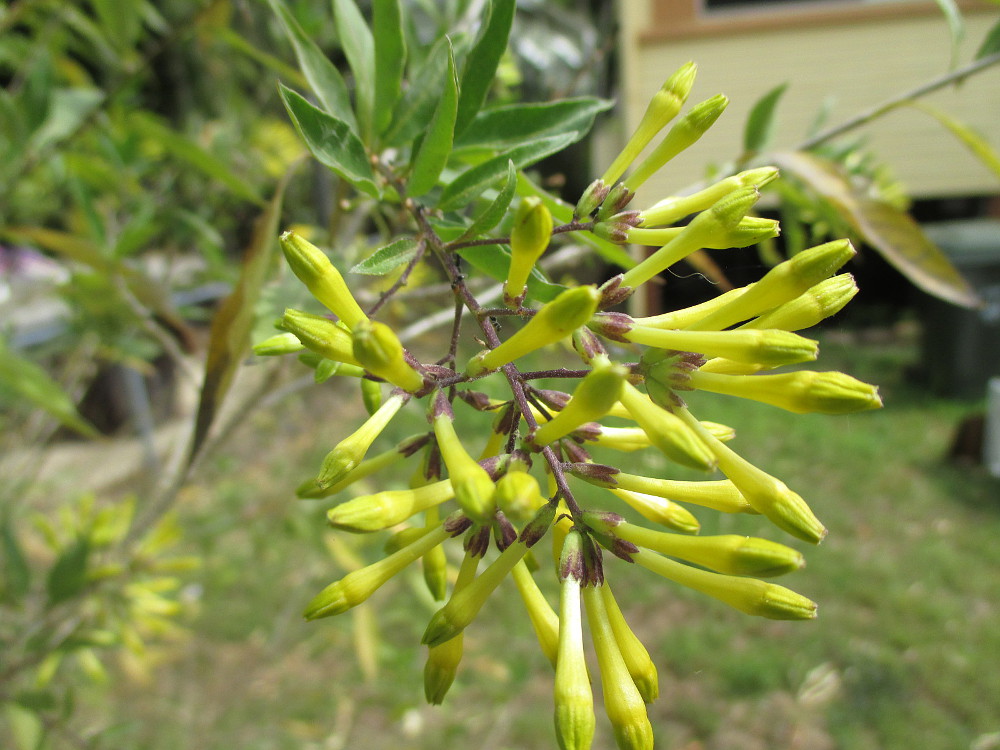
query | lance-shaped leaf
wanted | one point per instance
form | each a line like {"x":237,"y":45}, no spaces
{"x":978,"y":145}
{"x":956,"y":25}
{"x":332,"y":141}
{"x":323,"y":77}
{"x":893,"y":233}
{"x":359,"y":49}
{"x":510,"y":125}
{"x":991,"y":42}
{"x":390,"y":58}
{"x":388,"y":257}
{"x":229,"y":337}
{"x":484,"y":57}
{"x":435,"y":148}
{"x":759,"y":128}
{"x":495,"y":212}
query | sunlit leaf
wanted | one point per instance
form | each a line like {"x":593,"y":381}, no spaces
{"x":435,"y":148}
{"x":359,"y":49}
{"x":68,"y":109}
{"x":893,"y":233}
{"x":390,"y":58}
{"x":509,"y":125}
{"x":388,"y":257}
{"x":229,"y":337}
{"x":484,"y":57}
{"x":759,"y":128}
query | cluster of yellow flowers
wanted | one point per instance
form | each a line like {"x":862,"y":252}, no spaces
{"x":724,"y":346}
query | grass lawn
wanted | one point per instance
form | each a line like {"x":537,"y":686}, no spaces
{"x":902,"y":655}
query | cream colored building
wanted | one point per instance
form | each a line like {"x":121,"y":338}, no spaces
{"x":854,"y":53}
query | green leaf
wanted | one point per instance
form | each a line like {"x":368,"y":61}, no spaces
{"x":390,"y":59}
{"x":435,"y":148}
{"x":893,"y":233}
{"x":991,"y":43}
{"x":16,"y":574}
{"x":477,"y":179}
{"x":417,"y":106}
{"x":494,"y":261}
{"x":26,"y":727}
{"x":759,"y":128}
{"x":562,"y":212}
{"x":495,"y":212}
{"x":956,"y":26}
{"x":388,"y":257}
{"x":229,"y":336}
{"x":30,"y":383}
{"x":484,"y":57}
{"x":183,"y":148}
{"x":972,"y":140}
{"x":332,"y":141}
{"x":507,"y":126}
{"x":68,"y":575}
{"x":323,"y":77}
{"x":68,"y":109}
{"x":359,"y":49}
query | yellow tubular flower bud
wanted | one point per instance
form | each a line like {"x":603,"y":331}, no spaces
{"x":819,"y":303}
{"x":443,"y":660}
{"x":771,"y":348}
{"x":683,"y":134}
{"x":622,"y":701}
{"x":464,"y":605}
{"x":474,"y":490}
{"x":726,"y":553}
{"x":766,"y":494}
{"x":518,"y":495}
{"x":783,"y":283}
{"x":543,"y":619}
{"x":688,"y":315}
{"x":749,"y":231}
{"x":435,"y":562}
{"x":574,"y":700}
{"x":667,"y":431}
{"x":320,"y":335}
{"x":358,"y":585}
{"x":593,"y":397}
{"x":528,"y":240}
{"x":315,"y":270}
{"x":673,"y":209}
{"x":720,"y":219}
{"x":378,"y":350}
{"x":553,"y":322}
{"x":637,"y":660}
{"x":660,"y":510}
{"x":749,"y":595}
{"x":803,"y":392}
{"x":310,"y":489}
{"x":720,"y":495}
{"x":388,"y":507}
{"x":282,"y":343}
{"x":662,"y":108}
{"x":350,"y":451}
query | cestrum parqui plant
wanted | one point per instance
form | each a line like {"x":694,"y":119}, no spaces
{"x":625,"y":391}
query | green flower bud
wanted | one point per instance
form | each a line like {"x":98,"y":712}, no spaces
{"x":350,"y":451}
{"x":781,"y":284}
{"x":592,"y":399}
{"x":574,"y":700}
{"x":378,"y":350}
{"x":371,"y":395}
{"x":667,"y":431}
{"x":749,"y":595}
{"x":518,"y":495}
{"x":660,"y":510}
{"x":443,"y":659}
{"x":803,"y":392}
{"x":622,"y":702}
{"x":819,"y":303}
{"x":766,"y":494}
{"x":315,"y":270}
{"x":320,"y":335}
{"x":543,"y":619}
{"x":474,"y":489}
{"x":770,"y":348}
{"x":662,"y":108}
{"x":640,"y":666}
{"x":282,"y":343}
{"x":726,"y":553}
{"x":592,"y":197}
{"x":358,"y":585}
{"x":528,"y":240}
{"x":717,"y":221}
{"x":553,"y":322}
{"x":388,"y":507}
{"x":673,"y":209}
{"x":688,"y":129}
